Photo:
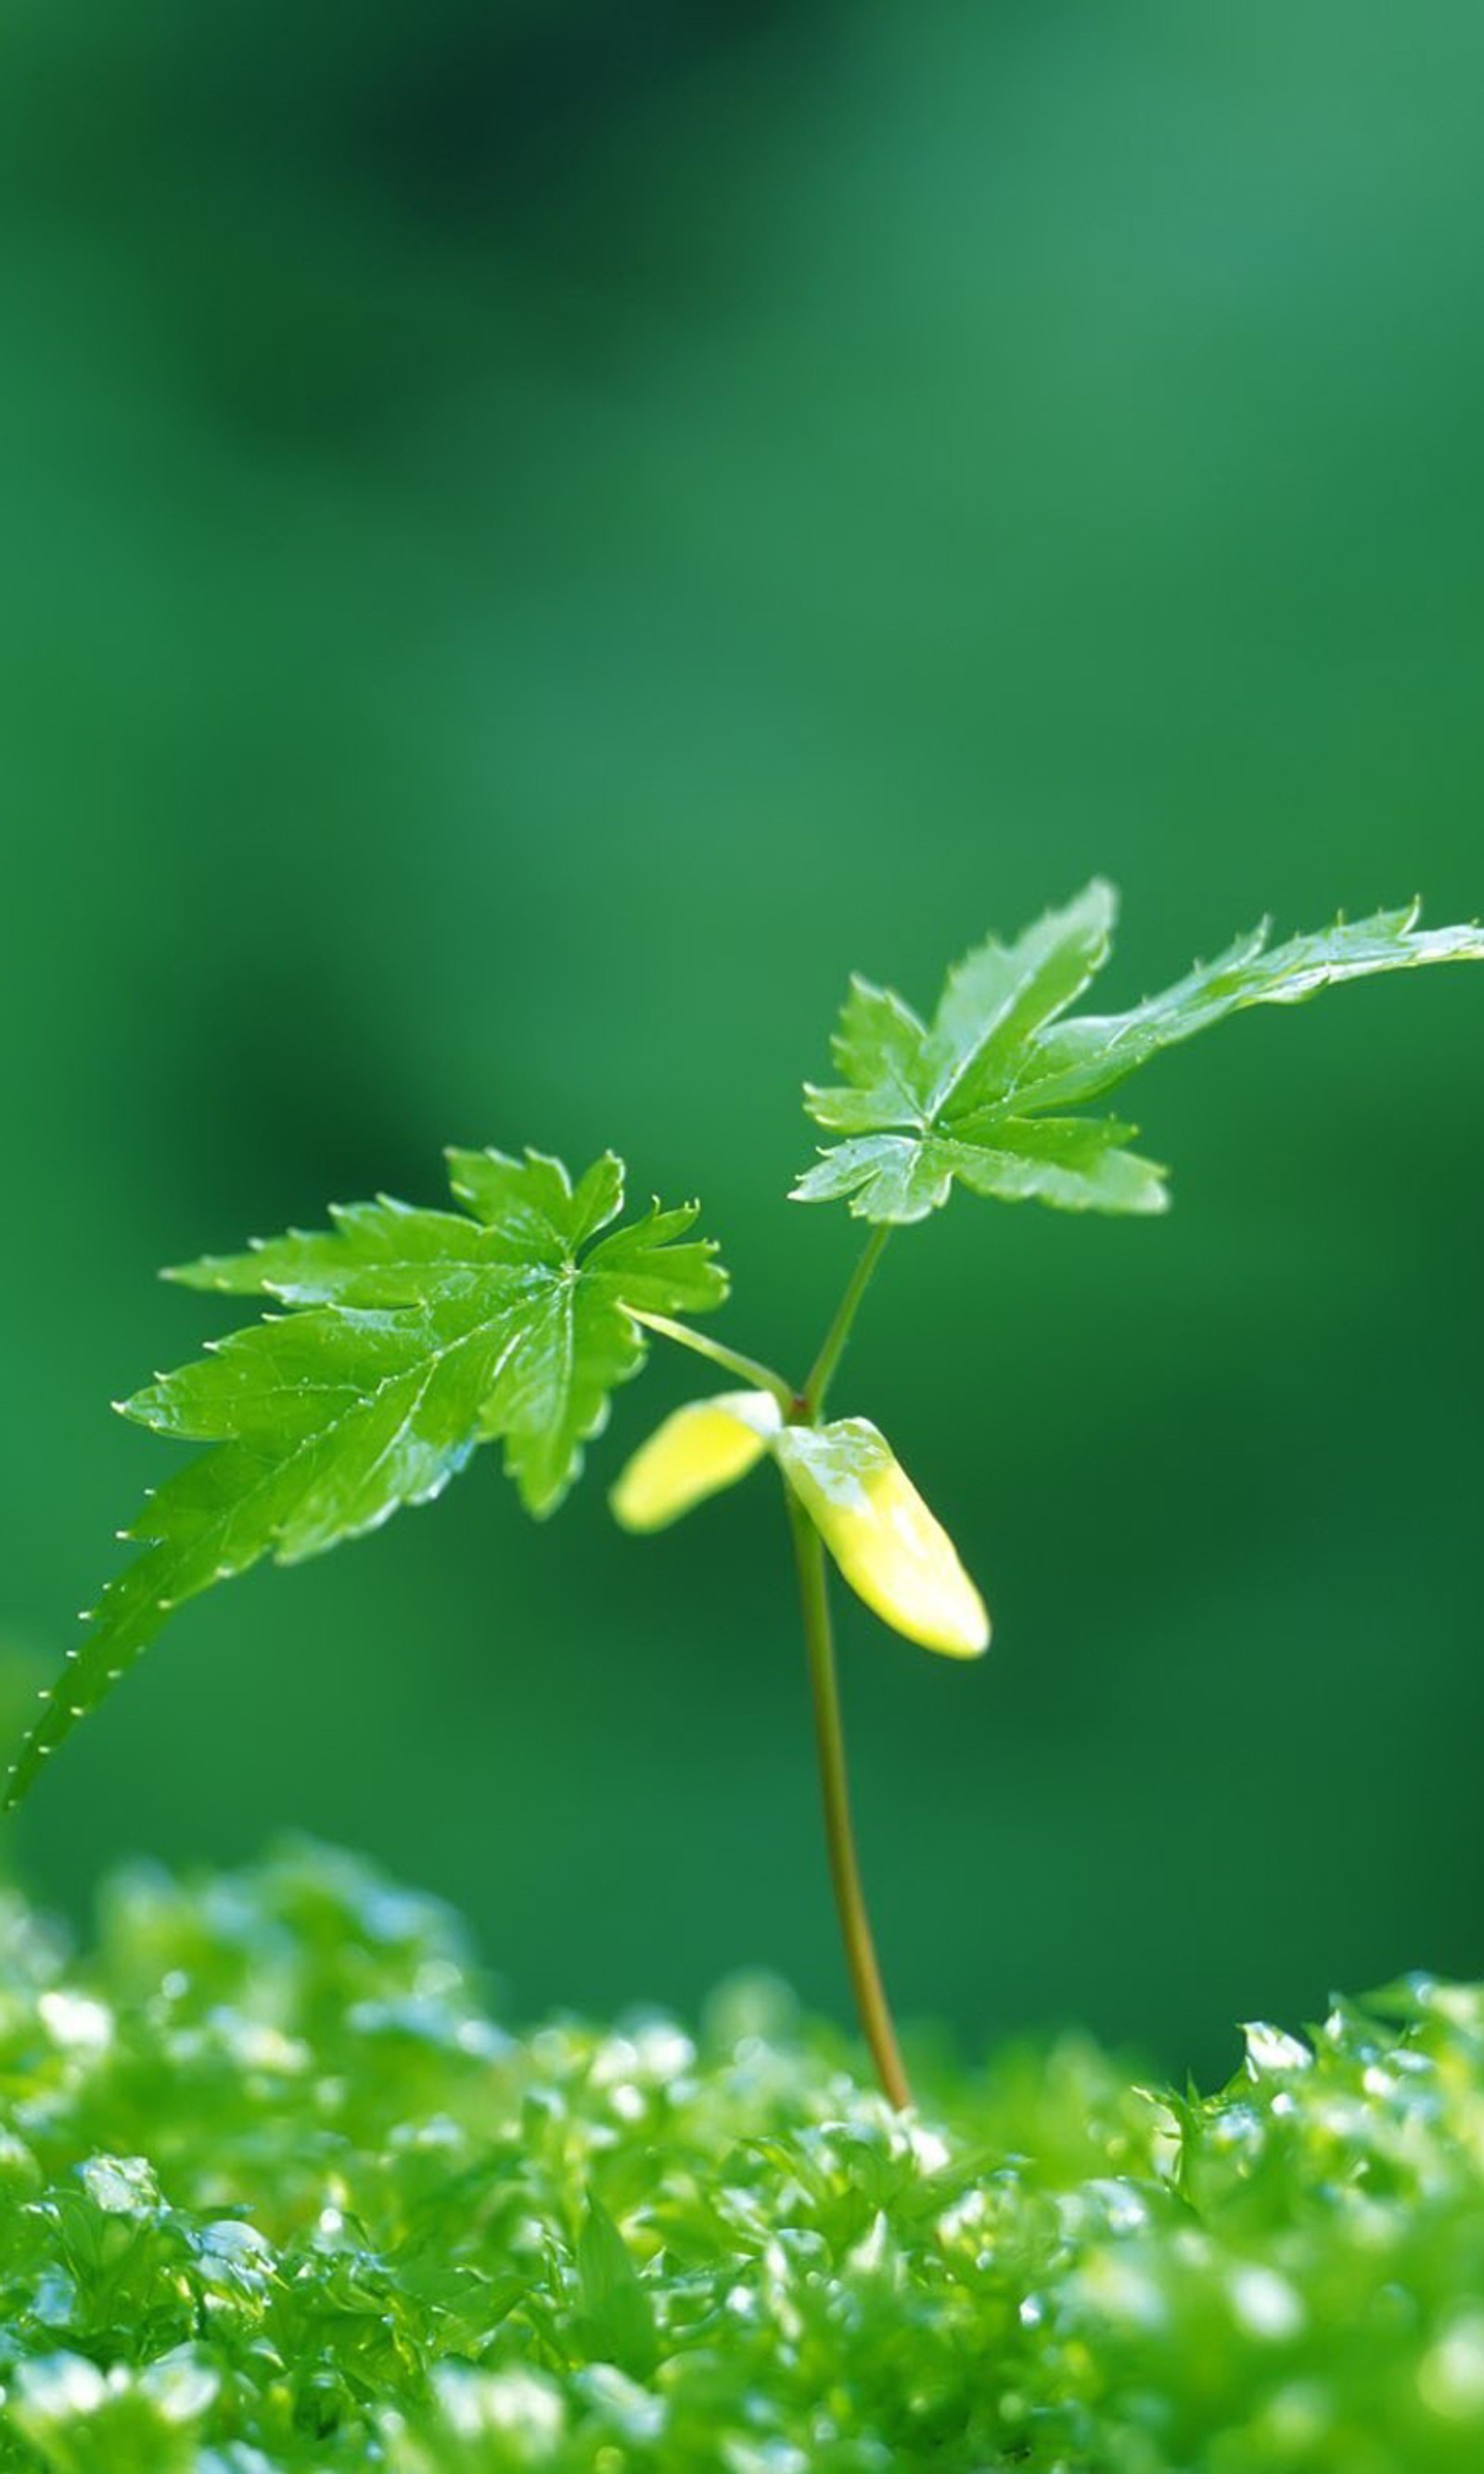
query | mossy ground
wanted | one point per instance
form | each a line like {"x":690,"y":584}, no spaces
{"x":277,"y":2192}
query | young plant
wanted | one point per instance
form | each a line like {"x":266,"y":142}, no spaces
{"x":401,"y":1339}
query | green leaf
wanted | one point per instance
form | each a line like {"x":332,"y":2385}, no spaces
{"x":999,"y":996}
{"x":617,"y":2322}
{"x":965,"y":1100}
{"x":1079,"y":1059}
{"x":1075,"y":1163}
{"x":410,"y":1337}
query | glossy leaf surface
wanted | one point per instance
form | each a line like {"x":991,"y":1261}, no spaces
{"x":965,"y":1100}
{"x":411,"y":1338}
{"x":282,"y":2196}
{"x":887,"y":1543}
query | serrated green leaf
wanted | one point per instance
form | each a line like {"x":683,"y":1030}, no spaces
{"x":999,"y":996}
{"x":883,"y":1177}
{"x":1075,"y":1163}
{"x":880,"y":1048}
{"x":965,"y":1100}
{"x":411,"y":1338}
{"x":1079,"y":1059}
{"x":381,"y":1253}
{"x":532,"y":1202}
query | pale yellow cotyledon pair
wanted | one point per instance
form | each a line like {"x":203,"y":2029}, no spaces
{"x":871,"y":1517}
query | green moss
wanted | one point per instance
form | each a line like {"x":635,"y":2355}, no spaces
{"x":275,"y":2191}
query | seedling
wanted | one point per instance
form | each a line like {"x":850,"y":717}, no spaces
{"x":398,"y":1339}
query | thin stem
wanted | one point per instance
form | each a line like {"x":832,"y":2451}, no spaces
{"x":871,"y":2004}
{"x":751,"y":1369}
{"x":822,"y":1372}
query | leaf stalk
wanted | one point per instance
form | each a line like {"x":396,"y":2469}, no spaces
{"x":750,"y":1370}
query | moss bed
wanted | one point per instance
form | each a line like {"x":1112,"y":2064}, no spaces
{"x":276,"y":2191}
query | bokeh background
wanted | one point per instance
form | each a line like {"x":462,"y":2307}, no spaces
{"x":537,"y":536}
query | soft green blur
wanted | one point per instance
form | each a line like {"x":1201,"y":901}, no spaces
{"x":537,"y":539}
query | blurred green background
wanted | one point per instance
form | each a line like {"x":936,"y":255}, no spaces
{"x":537,"y":538}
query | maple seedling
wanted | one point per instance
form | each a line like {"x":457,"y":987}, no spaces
{"x":398,"y":1339}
